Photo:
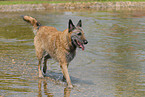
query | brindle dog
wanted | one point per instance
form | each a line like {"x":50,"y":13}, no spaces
{"x":61,"y":46}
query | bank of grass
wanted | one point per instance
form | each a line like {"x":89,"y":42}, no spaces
{"x":59,"y":1}
{"x":27,"y":2}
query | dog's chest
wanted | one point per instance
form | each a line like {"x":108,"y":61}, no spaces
{"x":70,"y":56}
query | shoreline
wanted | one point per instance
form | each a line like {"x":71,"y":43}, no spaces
{"x":78,"y":5}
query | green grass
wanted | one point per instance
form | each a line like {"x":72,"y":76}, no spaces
{"x":57,"y":1}
{"x":27,"y":2}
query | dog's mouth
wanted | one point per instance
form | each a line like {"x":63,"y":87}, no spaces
{"x":76,"y":41}
{"x":79,"y":44}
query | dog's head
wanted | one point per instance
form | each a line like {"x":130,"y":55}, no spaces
{"x":77,"y":35}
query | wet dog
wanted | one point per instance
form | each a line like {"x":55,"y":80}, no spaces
{"x":61,"y":46}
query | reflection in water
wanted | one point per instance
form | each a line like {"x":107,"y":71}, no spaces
{"x":46,"y":91}
{"x":67,"y":91}
{"x":126,"y":68}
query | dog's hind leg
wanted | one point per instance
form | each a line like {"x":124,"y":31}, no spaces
{"x":45,"y":63}
{"x":40,"y":56}
{"x":39,"y":53}
{"x":39,"y":69}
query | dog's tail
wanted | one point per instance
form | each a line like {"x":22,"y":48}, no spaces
{"x":33,"y":22}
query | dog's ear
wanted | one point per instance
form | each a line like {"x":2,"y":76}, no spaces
{"x":79,"y":23}
{"x":71,"y":26}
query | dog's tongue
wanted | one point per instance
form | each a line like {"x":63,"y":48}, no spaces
{"x":81,"y":45}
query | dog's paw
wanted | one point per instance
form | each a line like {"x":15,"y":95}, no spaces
{"x":70,"y":86}
{"x":41,"y":76}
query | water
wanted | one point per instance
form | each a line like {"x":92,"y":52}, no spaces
{"x":112,"y":65}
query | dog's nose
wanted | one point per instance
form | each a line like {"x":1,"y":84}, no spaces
{"x":85,"y":42}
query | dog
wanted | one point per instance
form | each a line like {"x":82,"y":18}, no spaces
{"x":61,"y":46}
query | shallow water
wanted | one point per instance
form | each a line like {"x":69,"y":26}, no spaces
{"x":112,"y":65}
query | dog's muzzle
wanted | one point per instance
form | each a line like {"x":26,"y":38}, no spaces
{"x":78,"y":42}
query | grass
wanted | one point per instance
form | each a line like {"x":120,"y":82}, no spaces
{"x":58,"y":1}
{"x":26,"y":2}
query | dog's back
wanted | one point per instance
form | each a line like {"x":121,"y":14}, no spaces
{"x":52,"y":41}
{"x":49,"y":39}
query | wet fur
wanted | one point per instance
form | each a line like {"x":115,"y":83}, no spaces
{"x":51,"y":43}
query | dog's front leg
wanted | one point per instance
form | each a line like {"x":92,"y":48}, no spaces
{"x":63,"y":75}
{"x":66,"y":74}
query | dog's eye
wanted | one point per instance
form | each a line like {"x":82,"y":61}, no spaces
{"x":79,"y":33}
